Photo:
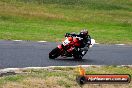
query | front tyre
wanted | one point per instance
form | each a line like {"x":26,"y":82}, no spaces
{"x":54,"y":53}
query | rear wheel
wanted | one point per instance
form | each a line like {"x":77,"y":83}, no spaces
{"x":77,"y":57}
{"x":54,"y":53}
{"x":79,"y":54}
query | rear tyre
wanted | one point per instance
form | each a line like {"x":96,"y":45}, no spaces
{"x":54,"y":53}
{"x":77,"y":57}
{"x":76,"y":54}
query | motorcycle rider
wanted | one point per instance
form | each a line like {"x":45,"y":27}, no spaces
{"x":85,"y":41}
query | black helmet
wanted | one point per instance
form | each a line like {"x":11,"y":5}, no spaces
{"x":84,"y":33}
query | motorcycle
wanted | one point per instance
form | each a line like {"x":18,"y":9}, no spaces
{"x":67,"y":49}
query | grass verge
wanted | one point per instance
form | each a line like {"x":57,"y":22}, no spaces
{"x":59,"y":77}
{"x":108,"y":21}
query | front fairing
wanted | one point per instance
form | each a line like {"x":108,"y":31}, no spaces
{"x":66,"y":42}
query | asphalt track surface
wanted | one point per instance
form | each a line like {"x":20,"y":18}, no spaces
{"x":17,"y":54}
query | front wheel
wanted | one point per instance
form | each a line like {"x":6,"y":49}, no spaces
{"x":54,"y":53}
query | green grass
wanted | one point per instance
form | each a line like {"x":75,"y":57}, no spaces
{"x":61,"y":77}
{"x":109,"y":21}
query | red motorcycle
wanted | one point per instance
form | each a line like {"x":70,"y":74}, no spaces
{"x":68,"y":49}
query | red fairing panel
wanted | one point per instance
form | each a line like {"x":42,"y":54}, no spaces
{"x":59,"y":46}
{"x":77,"y":44}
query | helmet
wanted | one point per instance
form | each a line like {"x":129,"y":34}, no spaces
{"x":83,"y":33}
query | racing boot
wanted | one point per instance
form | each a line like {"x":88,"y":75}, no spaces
{"x":84,"y":49}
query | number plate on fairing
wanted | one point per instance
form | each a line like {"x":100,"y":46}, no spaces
{"x":66,"y":42}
